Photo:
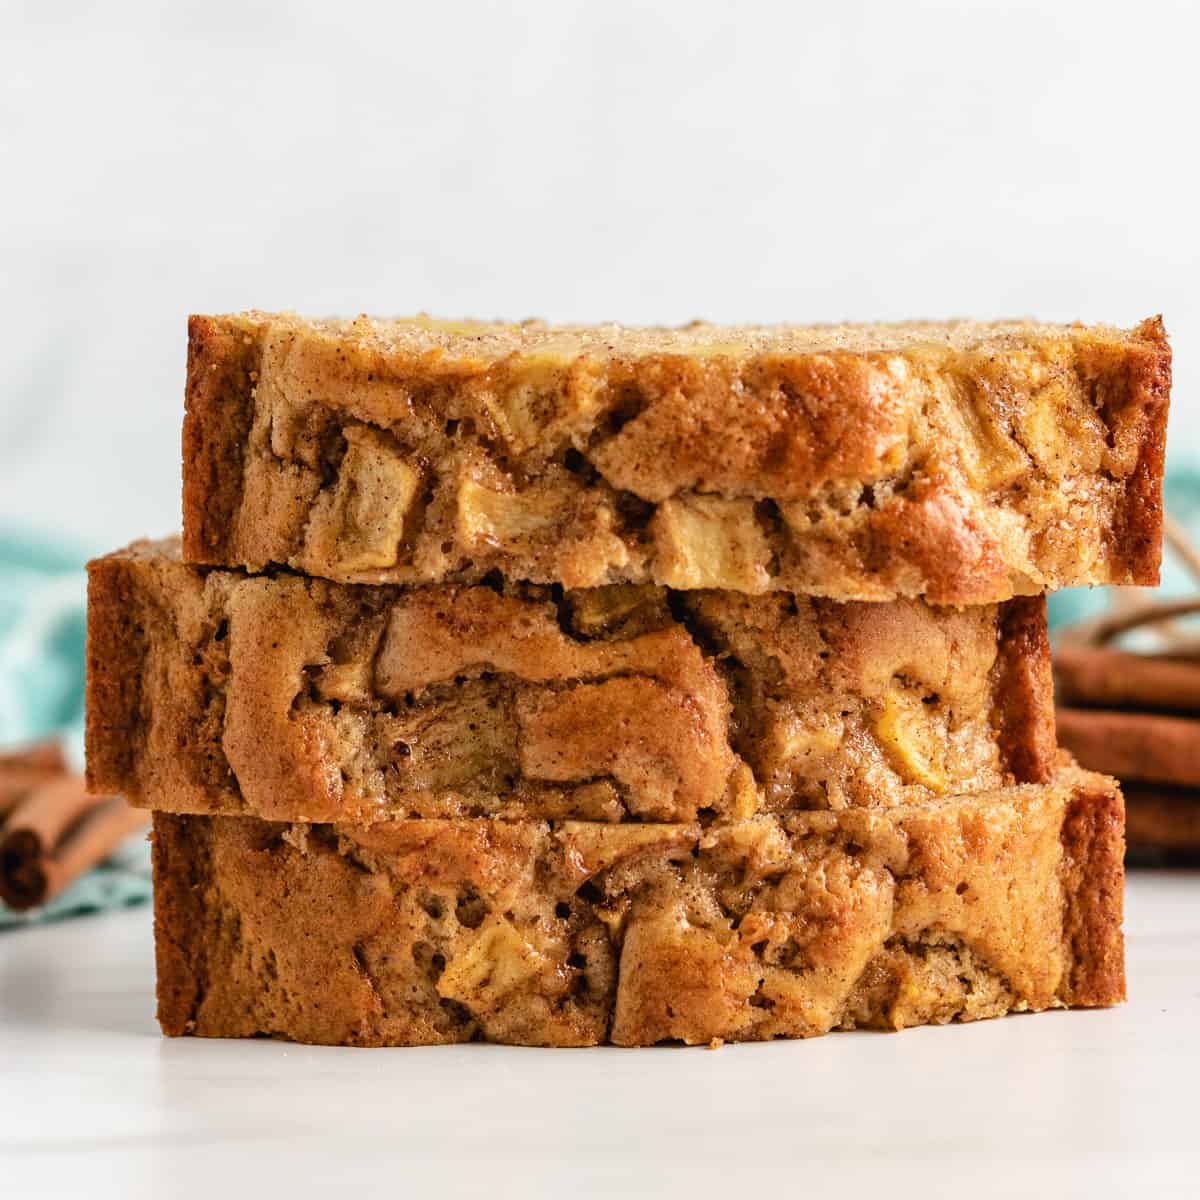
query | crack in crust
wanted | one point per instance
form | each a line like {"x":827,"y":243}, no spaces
{"x":417,"y":932}
{"x":963,"y":463}
{"x":297,"y":699}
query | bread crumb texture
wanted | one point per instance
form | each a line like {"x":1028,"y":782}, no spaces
{"x":303,"y":700}
{"x":576,"y":933}
{"x":963,"y":462}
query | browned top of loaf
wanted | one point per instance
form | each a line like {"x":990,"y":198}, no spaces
{"x":438,"y":345}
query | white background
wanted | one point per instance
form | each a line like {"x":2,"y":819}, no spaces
{"x":607,"y":160}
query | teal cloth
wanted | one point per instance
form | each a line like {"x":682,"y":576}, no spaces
{"x":43,"y":590}
{"x":121,"y":881}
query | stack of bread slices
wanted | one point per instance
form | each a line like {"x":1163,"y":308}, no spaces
{"x":569,"y":685}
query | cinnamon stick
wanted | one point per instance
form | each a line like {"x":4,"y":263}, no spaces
{"x":43,"y":756}
{"x":55,"y":834}
{"x":23,"y":769}
{"x":1162,"y":818}
{"x":17,"y":782}
{"x":1095,"y":675}
{"x":1133,"y":745}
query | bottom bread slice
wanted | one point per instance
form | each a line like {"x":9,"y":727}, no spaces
{"x":424,"y":931}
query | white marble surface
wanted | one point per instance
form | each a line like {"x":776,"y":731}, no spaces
{"x":648,"y":162}
{"x":1092,"y":1104}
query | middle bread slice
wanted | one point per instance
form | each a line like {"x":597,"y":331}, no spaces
{"x":279,"y":696}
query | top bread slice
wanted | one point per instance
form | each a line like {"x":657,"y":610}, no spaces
{"x":962,"y":462}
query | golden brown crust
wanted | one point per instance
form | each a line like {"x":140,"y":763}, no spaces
{"x":964,"y":463}
{"x":418,"y":932}
{"x":1145,"y":401}
{"x":181,"y":870}
{"x":221,"y":365}
{"x":1093,"y":839}
{"x":1024,"y":677}
{"x":297,"y":699}
{"x":116,"y":647}
{"x":145,"y":706}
